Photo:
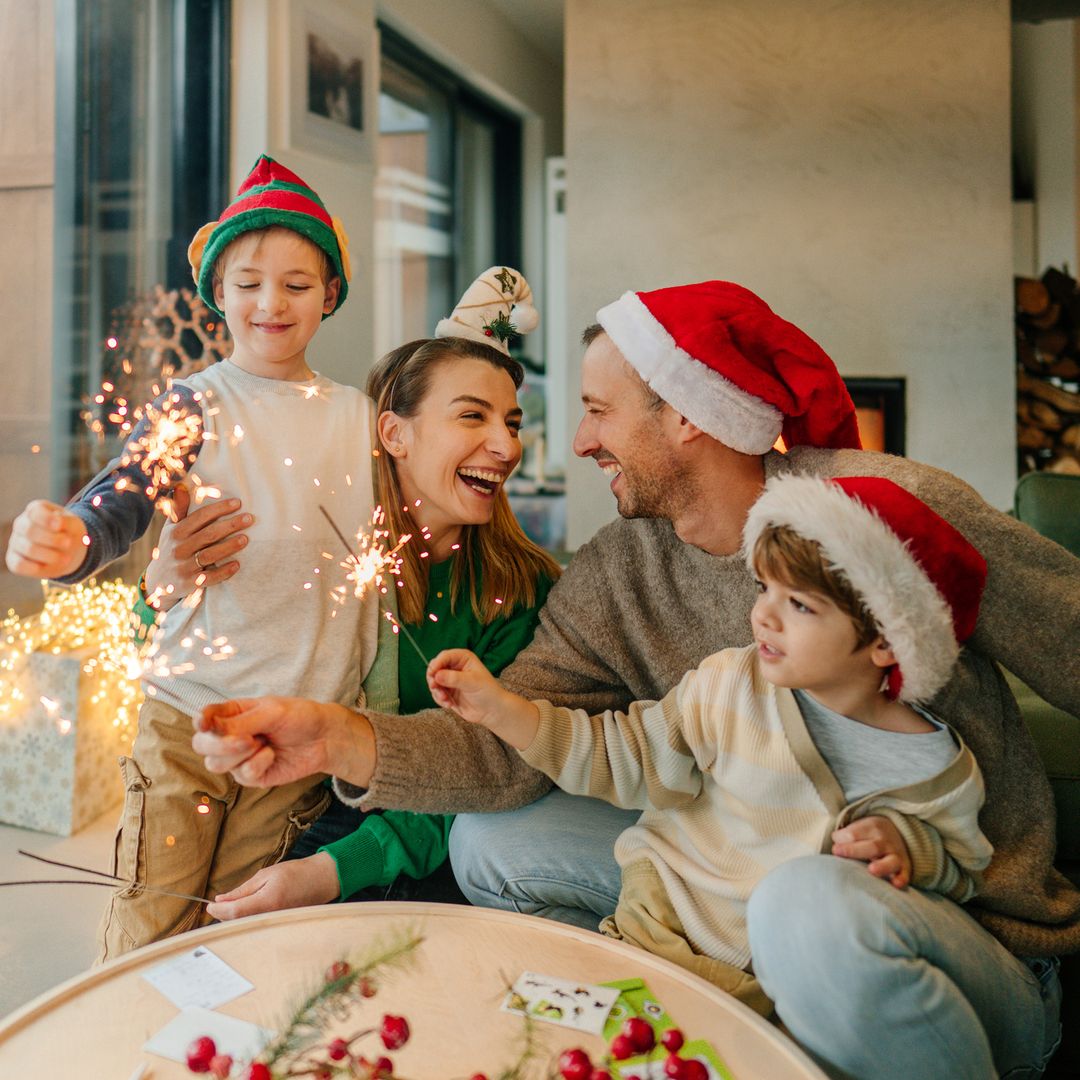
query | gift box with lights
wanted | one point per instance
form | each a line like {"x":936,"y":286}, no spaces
{"x":69,"y":699}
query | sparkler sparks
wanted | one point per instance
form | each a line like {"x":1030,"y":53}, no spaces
{"x":164,"y":450}
{"x":372,"y":561}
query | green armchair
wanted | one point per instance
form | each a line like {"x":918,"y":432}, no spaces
{"x":1050,"y":504}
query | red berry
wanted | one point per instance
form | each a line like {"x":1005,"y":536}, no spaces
{"x":221,"y":1065}
{"x":599,"y":1074}
{"x":640,"y":1034}
{"x":394,"y":1032}
{"x":694,"y":1070}
{"x":489,"y":333}
{"x":200,"y":1053}
{"x":622,"y":1047}
{"x":383,"y":1067}
{"x":574,"y":1064}
{"x":672,"y":1039}
{"x":257,"y":1071}
{"x":478,"y":1076}
{"x":367,"y":987}
{"x":337,"y":970}
{"x":337,"y":1050}
{"x":674,"y":1067}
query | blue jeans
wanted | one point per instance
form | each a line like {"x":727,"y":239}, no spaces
{"x":551,"y":858}
{"x":871,"y":980}
{"x":876,"y":981}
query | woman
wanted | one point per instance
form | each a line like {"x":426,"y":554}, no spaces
{"x":447,"y":424}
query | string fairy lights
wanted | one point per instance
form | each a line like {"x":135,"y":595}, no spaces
{"x":93,"y":617}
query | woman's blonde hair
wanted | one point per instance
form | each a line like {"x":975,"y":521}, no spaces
{"x":506,"y":561}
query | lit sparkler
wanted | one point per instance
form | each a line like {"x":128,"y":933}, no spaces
{"x":372,"y":561}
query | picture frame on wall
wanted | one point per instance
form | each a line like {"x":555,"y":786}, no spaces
{"x":331,"y":88}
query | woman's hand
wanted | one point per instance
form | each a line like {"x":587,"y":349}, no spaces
{"x":268,"y":741}
{"x":195,"y":548}
{"x":298,"y":883}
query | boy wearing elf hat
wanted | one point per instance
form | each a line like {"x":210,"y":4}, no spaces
{"x":811,"y":739}
{"x":685,"y":391}
{"x":284,"y":440}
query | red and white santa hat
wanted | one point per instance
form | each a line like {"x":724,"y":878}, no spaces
{"x":718,"y":354}
{"x":918,"y":576}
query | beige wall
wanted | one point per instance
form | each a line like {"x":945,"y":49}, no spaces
{"x":26,"y":210}
{"x":1045,"y":118}
{"x":849,"y":162}
{"x":468,"y":36}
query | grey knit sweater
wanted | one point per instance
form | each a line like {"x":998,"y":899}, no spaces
{"x":638,"y":608}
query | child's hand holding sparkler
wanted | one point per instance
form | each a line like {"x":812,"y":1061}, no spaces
{"x":459,"y":681}
{"x":47,"y":541}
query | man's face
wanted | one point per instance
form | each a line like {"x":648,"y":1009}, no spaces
{"x":627,"y":437}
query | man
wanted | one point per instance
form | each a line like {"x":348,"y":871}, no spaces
{"x":685,"y":391}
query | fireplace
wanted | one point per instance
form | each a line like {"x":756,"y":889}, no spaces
{"x":880,"y":406}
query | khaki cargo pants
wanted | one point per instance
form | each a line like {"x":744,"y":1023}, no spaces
{"x":190,"y":831}
{"x":644,"y":917}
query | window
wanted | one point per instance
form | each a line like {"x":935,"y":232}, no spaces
{"x":448,"y":192}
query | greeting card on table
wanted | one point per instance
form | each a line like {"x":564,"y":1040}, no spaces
{"x":234,"y":1037}
{"x":582,"y":1006}
{"x":198,"y":977}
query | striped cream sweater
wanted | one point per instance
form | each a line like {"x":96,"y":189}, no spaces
{"x":731,"y":785}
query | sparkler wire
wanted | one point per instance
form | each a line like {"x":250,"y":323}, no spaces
{"x":113,"y":879}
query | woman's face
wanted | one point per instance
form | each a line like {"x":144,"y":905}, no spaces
{"x":460,"y":446}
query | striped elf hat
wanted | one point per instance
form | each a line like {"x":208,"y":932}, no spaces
{"x":271,"y":195}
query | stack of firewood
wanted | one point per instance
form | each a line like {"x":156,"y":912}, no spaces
{"x":1048,"y":372}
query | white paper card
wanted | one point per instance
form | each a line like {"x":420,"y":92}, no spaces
{"x":582,"y":1006}
{"x":197,"y":978}
{"x":237,"y":1038}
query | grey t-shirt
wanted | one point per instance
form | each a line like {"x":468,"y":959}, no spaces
{"x":865,"y":759}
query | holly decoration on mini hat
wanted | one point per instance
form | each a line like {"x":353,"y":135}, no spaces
{"x":500,"y":327}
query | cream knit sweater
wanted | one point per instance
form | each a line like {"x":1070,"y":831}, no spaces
{"x":733,"y":786}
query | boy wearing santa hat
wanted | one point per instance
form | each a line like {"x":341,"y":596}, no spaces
{"x":810,"y":739}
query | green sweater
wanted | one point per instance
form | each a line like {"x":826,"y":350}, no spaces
{"x":399,"y":841}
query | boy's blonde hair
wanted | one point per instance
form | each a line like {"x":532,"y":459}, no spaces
{"x":782,"y":554}
{"x":327,"y":273}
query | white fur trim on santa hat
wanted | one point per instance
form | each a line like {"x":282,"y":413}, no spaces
{"x":709,"y":401}
{"x":913,"y":616}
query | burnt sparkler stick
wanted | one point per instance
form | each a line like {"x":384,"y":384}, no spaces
{"x":389,"y":614}
{"x":113,"y":881}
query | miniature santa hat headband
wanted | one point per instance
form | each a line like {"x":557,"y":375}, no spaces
{"x":496,"y":305}
{"x":917,"y":575}
{"x":720,"y":356}
{"x":271,"y":195}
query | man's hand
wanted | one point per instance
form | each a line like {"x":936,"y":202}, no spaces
{"x":877,"y":842}
{"x":269,"y":741}
{"x":47,"y":541}
{"x":459,"y":681}
{"x":298,"y":883}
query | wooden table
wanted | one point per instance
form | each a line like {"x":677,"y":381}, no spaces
{"x":94,"y":1026}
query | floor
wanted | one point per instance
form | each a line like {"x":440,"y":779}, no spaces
{"x":47,"y":932}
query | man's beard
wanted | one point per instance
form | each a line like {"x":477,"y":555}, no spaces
{"x":658,"y":493}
